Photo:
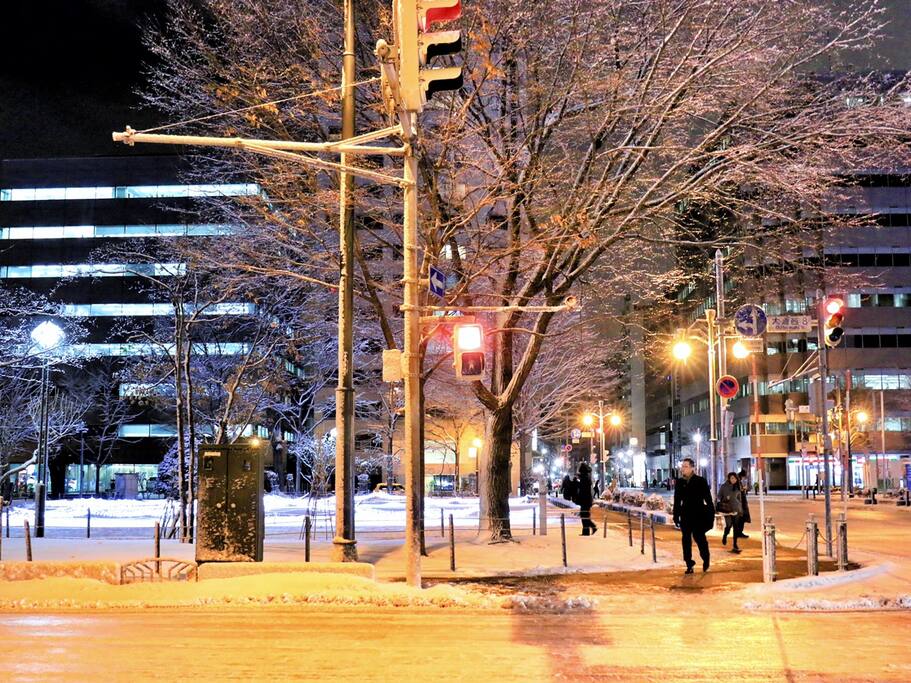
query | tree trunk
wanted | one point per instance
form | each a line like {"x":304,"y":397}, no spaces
{"x":498,"y":442}
{"x":423,"y":476}
{"x":191,"y":423}
{"x":179,"y":405}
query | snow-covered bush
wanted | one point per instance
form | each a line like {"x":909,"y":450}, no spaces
{"x":634,"y":498}
{"x":654,"y":502}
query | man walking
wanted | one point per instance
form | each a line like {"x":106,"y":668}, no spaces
{"x":694,"y":513}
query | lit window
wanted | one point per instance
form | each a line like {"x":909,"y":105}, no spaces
{"x":87,"y":231}
{"x":28,"y":194}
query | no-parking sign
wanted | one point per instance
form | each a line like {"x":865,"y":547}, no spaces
{"x":727,"y":386}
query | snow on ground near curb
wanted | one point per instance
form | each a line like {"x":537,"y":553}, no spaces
{"x":371,"y":510}
{"x":861,"y":604}
{"x":261,"y":590}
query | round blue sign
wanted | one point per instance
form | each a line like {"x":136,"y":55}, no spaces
{"x":750,"y":321}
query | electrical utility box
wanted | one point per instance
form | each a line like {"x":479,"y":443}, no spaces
{"x":230,"y":516}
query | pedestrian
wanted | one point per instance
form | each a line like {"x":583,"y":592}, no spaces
{"x":567,"y":489}
{"x":585,"y":500}
{"x":596,"y":489}
{"x":694,"y":513}
{"x":745,"y":517}
{"x":731,"y":507}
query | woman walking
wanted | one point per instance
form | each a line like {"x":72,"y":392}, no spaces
{"x":584,"y":500}
{"x":730,"y":504}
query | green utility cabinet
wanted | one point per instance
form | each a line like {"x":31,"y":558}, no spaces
{"x":231,"y":518}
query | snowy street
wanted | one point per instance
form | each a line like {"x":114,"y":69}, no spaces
{"x":666,"y":638}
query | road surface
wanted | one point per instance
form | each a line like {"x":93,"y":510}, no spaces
{"x":676,"y":641}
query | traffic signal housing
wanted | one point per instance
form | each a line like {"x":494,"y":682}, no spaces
{"x":418,"y":45}
{"x":834,"y":316}
{"x":468,"y":351}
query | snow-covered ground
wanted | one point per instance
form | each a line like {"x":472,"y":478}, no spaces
{"x":374,"y":511}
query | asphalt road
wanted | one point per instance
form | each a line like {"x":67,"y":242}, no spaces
{"x":672,"y":642}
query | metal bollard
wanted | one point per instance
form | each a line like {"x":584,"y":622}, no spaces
{"x":654,"y":547}
{"x":563,"y":536}
{"x":629,"y":526}
{"x":534,"y":520}
{"x":542,"y":509}
{"x":307,"y":538}
{"x":812,"y":547}
{"x":442,"y":527}
{"x":842,"y":539}
{"x":28,"y":541}
{"x":451,"y":544}
{"x":604,"y":525}
{"x":769,"y":567}
{"x":7,"y":519}
{"x":157,"y":547}
{"x":642,"y":533}
{"x":88,"y":522}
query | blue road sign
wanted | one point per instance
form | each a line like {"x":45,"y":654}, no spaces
{"x":437,"y":282}
{"x":750,"y":321}
{"x":727,"y":386}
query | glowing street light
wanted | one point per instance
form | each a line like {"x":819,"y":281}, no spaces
{"x":862,"y":417}
{"x":740,"y":350}
{"x":682,"y":350}
{"x":47,"y":335}
{"x":615,"y":420}
{"x":588,"y":420}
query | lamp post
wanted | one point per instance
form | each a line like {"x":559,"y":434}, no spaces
{"x":46,"y":336}
{"x":588,"y":421}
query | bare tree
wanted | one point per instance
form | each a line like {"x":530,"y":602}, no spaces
{"x":109,"y":410}
{"x":582,"y":132}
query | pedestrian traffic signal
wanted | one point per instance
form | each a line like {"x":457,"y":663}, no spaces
{"x":833,"y":329}
{"x":418,"y":45}
{"x":468,"y":351}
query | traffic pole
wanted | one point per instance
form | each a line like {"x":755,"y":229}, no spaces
{"x":827,"y":440}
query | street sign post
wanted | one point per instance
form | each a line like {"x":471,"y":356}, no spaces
{"x":576,"y":434}
{"x":797,"y":324}
{"x":750,"y":320}
{"x":437,"y":282}
{"x":727,"y":386}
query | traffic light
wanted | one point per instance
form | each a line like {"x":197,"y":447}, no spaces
{"x":468,"y":350}
{"x":417,"y":45}
{"x":834,"y":312}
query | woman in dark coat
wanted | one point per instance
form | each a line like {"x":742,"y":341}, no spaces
{"x":745,"y":517}
{"x":584,"y":500}
{"x":729,"y":503}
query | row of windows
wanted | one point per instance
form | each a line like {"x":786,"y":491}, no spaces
{"x":869,"y":260}
{"x":153,"y":309}
{"x":884,"y":300}
{"x":143,"y":349}
{"x":38,"y":194}
{"x":892,"y":424}
{"x":62,"y":270}
{"x":56,"y":232}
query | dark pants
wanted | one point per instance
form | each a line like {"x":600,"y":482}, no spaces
{"x":734,"y":522}
{"x":588,"y":526}
{"x":688,"y":535}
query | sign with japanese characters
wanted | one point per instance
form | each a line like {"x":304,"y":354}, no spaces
{"x":799,"y":324}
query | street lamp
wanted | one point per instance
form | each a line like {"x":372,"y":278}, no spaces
{"x":46,"y":335}
{"x":682,"y":350}
{"x":740,"y":350}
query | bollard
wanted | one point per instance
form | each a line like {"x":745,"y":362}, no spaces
{"x":563,"y":536}
{"x":307,"y":538}
{"x":156,"y":547}
{"x":88,"y":522}
{"x":7,"y":519}
{"x":604,"y":525}
{"x":629,"y":526}
{"x":534,"y":520}
{"x":642,"y":533}
{"x":442,"y":527}
{"x":812,"y":547}
{"x":542,"y":510}
{"x":451,"y":544}
{"x":654,"y":547}
{"x":842,"y":539}
{"x":769,"y":570}
{"x":28,"y":541}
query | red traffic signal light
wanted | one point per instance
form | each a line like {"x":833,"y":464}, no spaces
{"x":833,"y":329}
{"x":417,"y":45}
{"x":468,"y":351}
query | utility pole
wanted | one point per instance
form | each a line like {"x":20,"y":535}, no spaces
{"x":602,"y":461}
{"x":848,"y":454}
{"x":722,"y":364}
{"x":713,"y":426}
{"x":344,"y":543}
{"x":821,"y":393}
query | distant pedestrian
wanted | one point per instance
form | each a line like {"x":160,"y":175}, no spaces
{"x":596,"y":490}
{"x":585,"y":500}
{"x":730,"y":505}
{"x":694,"y":513}
{"x":745,"y":517}
{"x":567,"y":489}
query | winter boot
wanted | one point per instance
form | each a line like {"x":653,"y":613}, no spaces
{"x":724,"y":537}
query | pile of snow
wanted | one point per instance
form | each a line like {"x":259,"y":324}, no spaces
{"x":863,"y":603}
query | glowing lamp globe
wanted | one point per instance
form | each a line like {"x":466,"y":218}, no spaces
{"x":47,"y":335}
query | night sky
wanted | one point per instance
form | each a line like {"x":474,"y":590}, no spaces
{"x":69,"y":69}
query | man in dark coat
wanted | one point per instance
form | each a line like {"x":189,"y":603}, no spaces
{"x":585,"y":500}
{"x":567,"y":489}
{"x":694,"y":513}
